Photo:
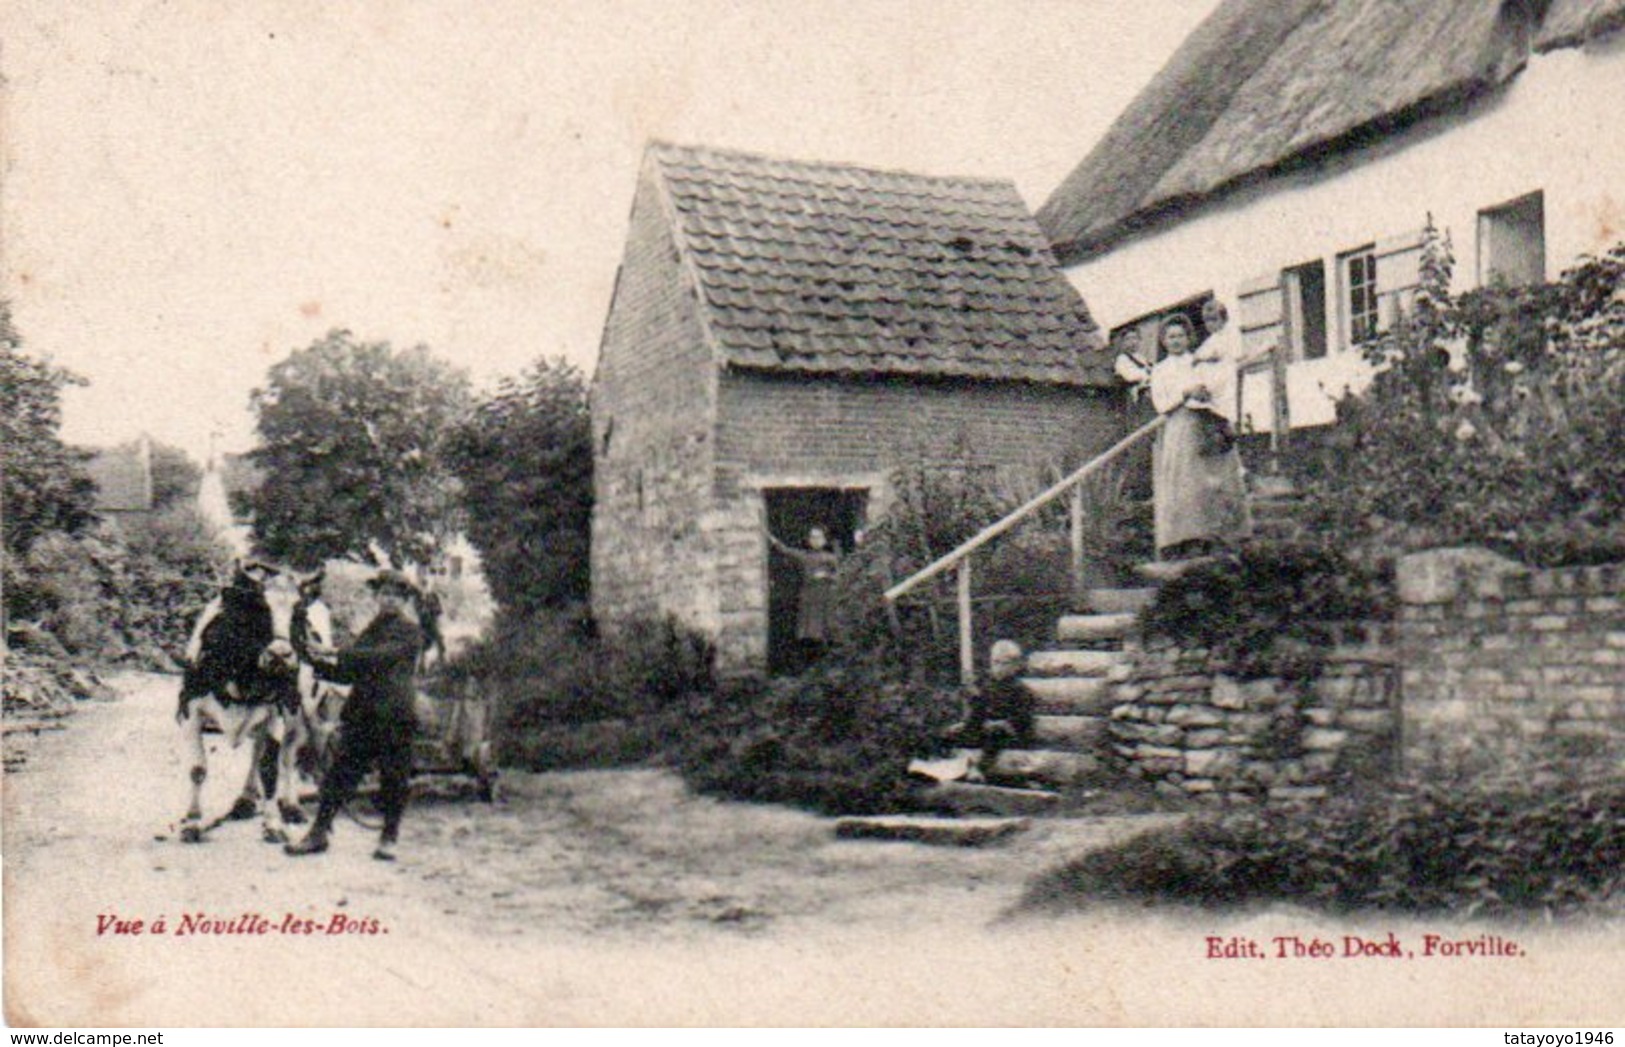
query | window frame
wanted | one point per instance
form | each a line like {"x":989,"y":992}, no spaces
{"x":1360,"y":319}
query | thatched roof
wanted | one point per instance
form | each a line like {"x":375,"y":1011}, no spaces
{"x":1266,"y":86}
{"x":1569,"y":23}
{"x":832,"y":269}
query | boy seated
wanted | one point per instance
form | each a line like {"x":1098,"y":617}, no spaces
{"x":999,"y":710}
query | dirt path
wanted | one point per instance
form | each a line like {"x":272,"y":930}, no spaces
{"x":609,"y":898}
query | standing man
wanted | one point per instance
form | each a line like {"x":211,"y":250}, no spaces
{"x":376,"y":725}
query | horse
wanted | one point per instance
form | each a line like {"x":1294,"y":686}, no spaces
{"x":243,"y":675}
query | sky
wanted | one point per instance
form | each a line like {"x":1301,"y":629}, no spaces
{"x":193,"y":190}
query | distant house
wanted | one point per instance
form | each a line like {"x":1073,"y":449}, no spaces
{"x":782,"y":335}
{"x":123,"y":479}
{"x":1288,"y":156}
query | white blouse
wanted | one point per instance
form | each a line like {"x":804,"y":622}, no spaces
{"x":1207,"y":376}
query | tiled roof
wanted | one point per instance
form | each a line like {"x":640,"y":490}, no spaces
{"x":832,"y":269}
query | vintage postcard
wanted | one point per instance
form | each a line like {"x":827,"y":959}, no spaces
{"x":1069,"y":513}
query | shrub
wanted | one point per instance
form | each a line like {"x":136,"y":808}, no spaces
{"x":1494,"y":421}
{"x":552,"y":677}
{"x":1549,"y":844}
{"x":836,"y":739}
{"x":1265,"y":611}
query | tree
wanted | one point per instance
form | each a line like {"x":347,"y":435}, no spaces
{"x":46,"y":487}
{"x":351,"y":437}
{"x":524,"y":457}
{"x":175,"y":477}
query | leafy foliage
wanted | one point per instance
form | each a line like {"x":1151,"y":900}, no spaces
{"x":351,"y":444}
{"x":1020,"y":581}
{"x":1543,"y":845}
{"x":46,"y":488}
{"x":1265,"y":612}
{"x":175,"y":477}
{"x":112,"y":595}
{"x":1495,"y":421}
{"x":554,"y":679}
{"x":524,"y":457}
{"x":836,"y":739}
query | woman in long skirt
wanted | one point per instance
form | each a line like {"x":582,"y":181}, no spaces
{"x":1201,"y":502}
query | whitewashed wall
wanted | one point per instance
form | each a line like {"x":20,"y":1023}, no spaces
{"x":1559,"y":127}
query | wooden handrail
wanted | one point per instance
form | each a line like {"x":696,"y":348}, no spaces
{"x":1032,"y":505}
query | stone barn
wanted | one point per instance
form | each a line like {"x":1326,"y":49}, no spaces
{"x":781,"y":336}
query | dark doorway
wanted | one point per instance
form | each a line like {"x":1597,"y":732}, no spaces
{"x":791,"y":513}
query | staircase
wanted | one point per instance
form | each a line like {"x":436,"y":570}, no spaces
{"x":1073,"y":680}
{"x":1072,"y":683}
{"x":1275,"y":506}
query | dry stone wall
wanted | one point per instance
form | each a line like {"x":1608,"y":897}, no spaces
{"x":1185,"y":722}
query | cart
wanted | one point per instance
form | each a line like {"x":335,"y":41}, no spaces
{"x":454,"y":733}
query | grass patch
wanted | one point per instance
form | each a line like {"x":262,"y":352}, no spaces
{"x":1551,"y":844}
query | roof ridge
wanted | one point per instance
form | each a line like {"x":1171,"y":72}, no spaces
{"x":661,"y":146}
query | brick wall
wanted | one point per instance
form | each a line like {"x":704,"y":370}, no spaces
{"x":780,"y":430}
{"x":1506,"y":665}
{"x":652,"y":406}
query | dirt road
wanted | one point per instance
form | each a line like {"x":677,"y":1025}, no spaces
{"x":618,"y":898}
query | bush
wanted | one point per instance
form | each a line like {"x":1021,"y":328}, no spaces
{"x":1021,"y":580}
{"x":1494,"y":421}
{"x":1265,"y":612}
{"x":552,"y":677}
{"x":1547,"y":845}
{"x":836,"y":739}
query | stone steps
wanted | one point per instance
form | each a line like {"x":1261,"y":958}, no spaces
{"x":1075,"y":629}
{"x":1056,"y":767}
{"x":1072,"y":662}
{"x":1072,"y":683}
{"x":1071,"y":695}
{"x":1075,"y":733}
{"x":917,"y":828}
{"x":1120,"y":601}
{"x":977,"y":798}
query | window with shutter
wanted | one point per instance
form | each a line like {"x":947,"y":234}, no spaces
{"x":1305,"y":289}
{"x":1399,"y":260}
{"x":1261,"y":303}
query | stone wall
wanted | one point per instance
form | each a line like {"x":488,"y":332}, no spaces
{"x":1186,"y":724}
{"x":1504,"y":665}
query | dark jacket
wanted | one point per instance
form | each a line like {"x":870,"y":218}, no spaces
{"x":378,"y":666}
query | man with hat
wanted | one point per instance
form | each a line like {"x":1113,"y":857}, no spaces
{"x":376,"y":725}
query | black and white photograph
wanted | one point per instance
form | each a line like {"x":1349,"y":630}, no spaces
{"x":813,"y":513}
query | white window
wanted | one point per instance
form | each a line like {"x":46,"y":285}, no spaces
{"x":1358,"y":270}
{"x":1512,"y":242}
